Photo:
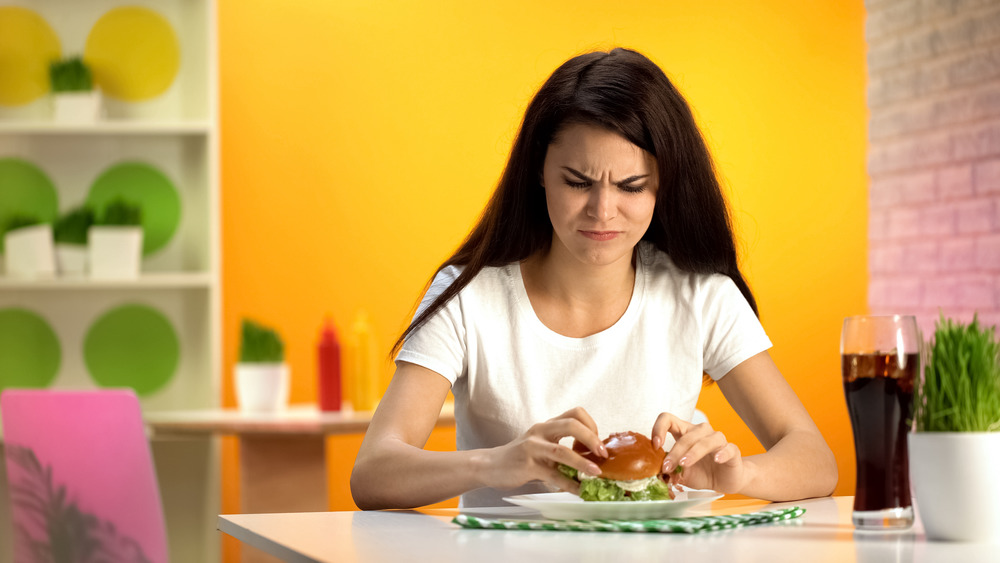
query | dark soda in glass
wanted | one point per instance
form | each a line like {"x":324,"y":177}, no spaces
{"x":879,"y":392}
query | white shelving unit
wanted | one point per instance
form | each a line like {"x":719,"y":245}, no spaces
{"x":178,"y":134}
{"x":166,"y":280}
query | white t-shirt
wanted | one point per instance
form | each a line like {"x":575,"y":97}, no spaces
{"x":509,"y":371}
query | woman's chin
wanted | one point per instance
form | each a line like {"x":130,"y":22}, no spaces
{"x":604,"y":254}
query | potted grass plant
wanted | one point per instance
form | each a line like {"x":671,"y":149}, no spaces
{"x":955,"y":443}
{"x":262,"y":378}
{"x":70,"y":237}
{"x":73,"y":95}
{"x":28,"y":249}
{"x":115,"y":241}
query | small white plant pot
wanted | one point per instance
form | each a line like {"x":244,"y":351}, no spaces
{"x":262,"y":388}
{"x":77,"y":107}
{"x":954,"y":478}
{"x":28,"y":252}
{"x":71,"y":260}
{"x":114,"y":252}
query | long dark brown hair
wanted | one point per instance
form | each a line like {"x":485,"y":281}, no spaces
{"x":625,"y":92}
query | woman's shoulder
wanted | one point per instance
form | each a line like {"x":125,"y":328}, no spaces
{"x":446,"y":276}
{"x":655,"y":259}
{"x":489,"y":281}
{"x":487,"y":275}
{"x":661,"y":269}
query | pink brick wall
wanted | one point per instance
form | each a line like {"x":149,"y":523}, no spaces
{"x":934,"y":158}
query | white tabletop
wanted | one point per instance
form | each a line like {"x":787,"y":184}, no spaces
{"x":823,"y":534}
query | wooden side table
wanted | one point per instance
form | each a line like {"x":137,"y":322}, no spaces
{"x":282,"y":455}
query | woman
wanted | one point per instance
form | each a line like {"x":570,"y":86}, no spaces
{"x":600,"y":283}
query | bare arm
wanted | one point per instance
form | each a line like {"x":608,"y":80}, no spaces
{"x":393,"y":470}
{"x":798,"y":462}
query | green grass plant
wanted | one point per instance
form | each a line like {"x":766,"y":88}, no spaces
{"x":71,"y":228}
{"x":260,"y":344}
{"x":122,"y":213}
{"x":19,"y":221}
{"x":70,"y":75}
{"x":960,"y":389}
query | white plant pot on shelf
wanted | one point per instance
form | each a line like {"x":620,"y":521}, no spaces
{"x":77,"y":107}
{"x":28,"y":252}
{"x":262,"y":387}
{"x":71,"y":259}
{"x":114,"y":252}
{"x":954,"y":478}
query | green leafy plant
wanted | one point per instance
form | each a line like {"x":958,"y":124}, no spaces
{"x":71,"y":228}
{"x":120,"y":212}
{"x":19,"y":221}
{"x":260,"y":344}
{"x":960,"y":389}
{"x":70,"y":75}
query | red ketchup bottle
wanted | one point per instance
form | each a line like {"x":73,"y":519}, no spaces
{"x":328,"y":352}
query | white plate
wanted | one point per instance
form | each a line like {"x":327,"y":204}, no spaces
{"x":567,"y":506}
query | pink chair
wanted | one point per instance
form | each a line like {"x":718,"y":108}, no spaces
{"x":81,"y":479}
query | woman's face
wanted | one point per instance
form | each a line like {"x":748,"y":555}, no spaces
{"x":600,"y":190}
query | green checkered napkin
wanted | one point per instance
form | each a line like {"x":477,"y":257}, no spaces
{"x":692,"y":525}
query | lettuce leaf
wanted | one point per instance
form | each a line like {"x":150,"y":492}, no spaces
{"x":606,"y":490}
{"x":657,"y":491}
{"x":603,"y":490}
{"x":568,"y":471}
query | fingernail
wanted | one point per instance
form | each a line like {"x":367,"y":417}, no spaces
{"x":603,"y":451}
{"x":683,"y":462}
{"x":718,"y":457}
{"x":656,"y":442}
{"x":668,"y":465}
{"x":592,"y":469}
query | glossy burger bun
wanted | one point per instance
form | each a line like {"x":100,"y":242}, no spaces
{"x":631,"y":456}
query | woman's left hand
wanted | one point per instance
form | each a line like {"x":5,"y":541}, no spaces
{"x":707,"y":459}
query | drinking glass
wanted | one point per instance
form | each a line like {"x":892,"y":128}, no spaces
{"x":880,"y":360}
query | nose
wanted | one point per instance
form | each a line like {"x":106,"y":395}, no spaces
{"x":602,"y":204}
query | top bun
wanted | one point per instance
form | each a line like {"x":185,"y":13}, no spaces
{"x":631,"y":456}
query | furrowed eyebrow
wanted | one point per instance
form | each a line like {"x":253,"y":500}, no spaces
{"x":584,"y":177}
{"x":578,"y":174}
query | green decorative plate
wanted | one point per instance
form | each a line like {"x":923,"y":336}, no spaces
{"x":132,"y":346}
{"x":29,"y":350}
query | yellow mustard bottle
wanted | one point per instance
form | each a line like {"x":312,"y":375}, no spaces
{"x":363,"y":364}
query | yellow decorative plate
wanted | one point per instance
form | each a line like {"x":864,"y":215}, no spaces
{"x":27,"y":46}
{"x":134,"y":53}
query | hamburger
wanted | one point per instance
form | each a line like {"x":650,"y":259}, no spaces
{"x":631,"y":472}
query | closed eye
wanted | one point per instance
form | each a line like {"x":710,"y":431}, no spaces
{"x":632,"y":189}
{"x":582,"y":181}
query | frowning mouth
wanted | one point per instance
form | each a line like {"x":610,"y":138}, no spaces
{"x":600,"y":235}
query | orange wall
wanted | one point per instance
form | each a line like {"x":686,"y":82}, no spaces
{"x":360,"y":140}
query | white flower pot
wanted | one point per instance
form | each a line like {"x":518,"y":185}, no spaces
{"x":28,"y":252}
{"x":114,"y":252}
{"x":262,"y":387}
{"x":955,"y":480}
{"x":71,"y":259}
{"x":77,"y":107}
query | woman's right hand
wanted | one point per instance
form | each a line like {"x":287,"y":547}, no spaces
{"x":536,"y":454}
